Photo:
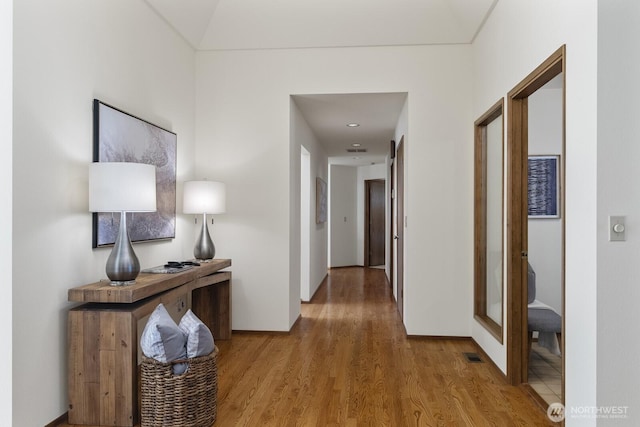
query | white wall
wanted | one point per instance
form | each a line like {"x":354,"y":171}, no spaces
{"x":6,"y":172}
{"x":438,"y":285}
{"x":545,"y":235}
{"x":618,"y":269}
{"x":67,"y":53}
{"x":318,"y":168}
{"x":516,"y":38}
{"x":343,"y":216}
{"x":365,"y":173}
{"x":243,"y":130}
{"x":293,"y":290}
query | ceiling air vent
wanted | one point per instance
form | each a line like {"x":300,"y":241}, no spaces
{"x":356,"y":150}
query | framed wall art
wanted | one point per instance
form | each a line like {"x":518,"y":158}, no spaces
{"x":121,"y":137}
{"x":544,"y":186}
{"x":321,"y":201}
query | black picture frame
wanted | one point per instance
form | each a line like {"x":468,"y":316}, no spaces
{"x":543,"y":186}
{"x":122,"y":137}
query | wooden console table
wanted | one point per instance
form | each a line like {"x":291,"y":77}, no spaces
{"x":103,"y":335}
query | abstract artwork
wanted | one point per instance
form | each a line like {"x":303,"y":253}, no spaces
{"x":321,"y":201}
{"x":122,"y":137}
{"x":544,"y":186}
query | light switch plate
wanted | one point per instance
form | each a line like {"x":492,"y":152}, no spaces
{"x":617,"y":229}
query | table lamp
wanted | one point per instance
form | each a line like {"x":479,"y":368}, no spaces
{"x":122,"y":187}
{"x":204,"y":197}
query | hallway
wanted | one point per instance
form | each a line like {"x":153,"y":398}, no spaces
{"x":347,"y":362}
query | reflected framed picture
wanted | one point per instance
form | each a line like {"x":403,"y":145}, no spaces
{"x":321,"y":201}
{"x":121,"y":137}
{"x":543,"y":188}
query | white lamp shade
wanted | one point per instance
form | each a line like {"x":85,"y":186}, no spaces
{"x":122,"y":187}
{"x":204,"y":197}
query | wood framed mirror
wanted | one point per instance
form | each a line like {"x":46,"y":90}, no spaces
{"x":488,"y":220}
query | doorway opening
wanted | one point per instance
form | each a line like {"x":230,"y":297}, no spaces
{"x":520,"y":209}
{"x":347,"y":137}
{"x":399,"y":225}
{"x":305,"y":224}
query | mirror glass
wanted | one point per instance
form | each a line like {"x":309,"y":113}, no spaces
{"x":494,"y":220}
{"x":488,"y":220}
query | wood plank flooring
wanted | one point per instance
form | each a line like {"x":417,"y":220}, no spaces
{"x":348,"y":362}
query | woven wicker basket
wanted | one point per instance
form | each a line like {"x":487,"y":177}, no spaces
{"x":187,"y":400}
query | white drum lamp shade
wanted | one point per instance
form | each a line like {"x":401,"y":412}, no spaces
{"x":204,"y":197}
{"x":122,"y":187}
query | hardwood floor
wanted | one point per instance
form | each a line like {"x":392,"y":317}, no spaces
{"x":347,"y":362}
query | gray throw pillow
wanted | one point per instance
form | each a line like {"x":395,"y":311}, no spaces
{"x":163,"y":340}
{"x":199,"y":337}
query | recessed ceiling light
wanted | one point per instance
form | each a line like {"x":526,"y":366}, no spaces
{"x":355,"y":144}
{"x":353,"y":125}
{"x":356,"y":158}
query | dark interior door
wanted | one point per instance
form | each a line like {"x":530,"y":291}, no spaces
{"x":376,"y":222}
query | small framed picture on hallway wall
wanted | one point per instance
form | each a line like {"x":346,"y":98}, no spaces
{"x":321,"y":201}
{"x":544,"y":186}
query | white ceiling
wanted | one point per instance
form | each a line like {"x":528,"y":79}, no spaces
{"x":277,"y":24}
{"x":283,"y":24}
{"x":376,"y":113}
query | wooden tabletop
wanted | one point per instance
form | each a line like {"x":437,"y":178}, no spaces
{"x":147,"y":284}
